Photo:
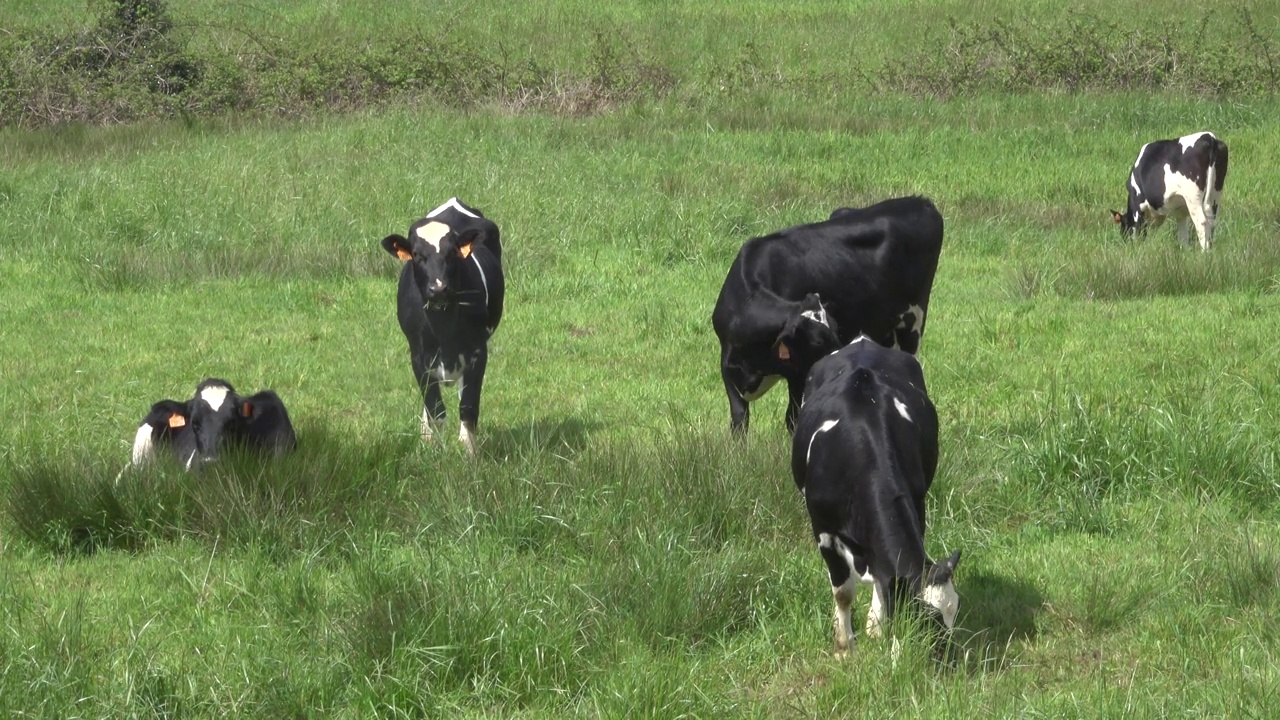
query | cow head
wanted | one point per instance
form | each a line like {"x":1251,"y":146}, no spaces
{"x":939,"y":594}
{"x":435,"y":253}
{"x":809,"y":333}
{"x":214,"y":414}
{"x":167,"y":422}
{"x":1129,"y":224}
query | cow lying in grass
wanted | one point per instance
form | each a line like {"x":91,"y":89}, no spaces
{"x":195,"y":431}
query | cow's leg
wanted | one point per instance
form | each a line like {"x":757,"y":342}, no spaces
{"x":469,"y":400}
{"x":1200,"y":220}
{"x":877,"y":619}
{"x":1184,"y":233}
{"x":739,"y":408}
{"x":432,"y":403}
{"x":844,"y":588}
{"x":844,"y":595}
{"x":795,"y":396}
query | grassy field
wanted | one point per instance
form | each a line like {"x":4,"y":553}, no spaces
{"x":1108,"y":409}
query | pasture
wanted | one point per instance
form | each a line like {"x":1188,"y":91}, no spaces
{"x":1108,"y":408}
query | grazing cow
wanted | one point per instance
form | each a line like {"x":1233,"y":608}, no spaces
{"x":449,"y":304}
{"x":796,"y":295}
{"x":1182,"y":178}
{"x":864,"y":454}
{"x":212,"y":419}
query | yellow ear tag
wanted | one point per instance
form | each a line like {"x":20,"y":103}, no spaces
{"x":177,"y":421}
{"x":784,"y":352}
{"x":465,"y":251}
{"x":404,"y":254}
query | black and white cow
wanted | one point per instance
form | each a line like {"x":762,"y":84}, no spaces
{"x":864,"y":454}
{"x":215,"y":417}
{"x":265,"y":423}
{"x":449,"y":304}
{"x":166,"y":425}
{"x":1182,"y":178}
{"x":795,"y":295}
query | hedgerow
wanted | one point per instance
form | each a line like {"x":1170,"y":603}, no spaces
{"x":134,"y":63}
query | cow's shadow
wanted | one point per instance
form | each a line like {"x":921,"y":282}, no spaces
{"x":996,"y":613}
{"x":564,"y":435}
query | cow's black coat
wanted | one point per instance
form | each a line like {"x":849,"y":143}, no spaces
{"x":871,"y":270}
{"x":449,"y":304}
{"x":864,"y":454}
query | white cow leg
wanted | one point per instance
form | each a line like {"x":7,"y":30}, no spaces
{"x":1184,"y":232}
{"x":876,"y":619}
{"x":1200,"y":221}
{"x":429,"y":425}
{"x":467,"y":434}
{"x":844,"y":596}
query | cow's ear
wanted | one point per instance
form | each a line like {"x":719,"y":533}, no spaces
{"x":399,"y":246}
{"x":464,"y":243}
{"x":942,"y":571}
{"x":177,"y":420}
{"x":1116,"y":217}
{"x":246,"y":409}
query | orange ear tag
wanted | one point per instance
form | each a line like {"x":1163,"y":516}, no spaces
{"x":246,"y":409}
{"x":465,"y":251}
{"x":404,"y":254}
{"x":177,"y":421}
{"x":784,"y":352}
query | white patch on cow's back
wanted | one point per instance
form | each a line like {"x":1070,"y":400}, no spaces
{"x":824,"y":427}
{"x":1187,"y":141}
{"x":431,"y":233}
{"x":765,"y":384}
{"x":452,"y":203}
{"x":214,"y":396}
{"x":142,"y":447}
{"x":944,"y":599}
{"x":902,"y":408}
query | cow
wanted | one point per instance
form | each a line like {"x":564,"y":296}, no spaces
{"x":795,"y":295}
{"x":1182,"y":178}
{"x":449,"y":303}
{"x":167,"y":424}
{"x":864,"y":453}
{"x":214,"y":418}
{"x":265,"y":424}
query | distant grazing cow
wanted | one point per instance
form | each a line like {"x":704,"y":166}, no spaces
{"x":449,"y":304}
{"x":214,"y":418}
{"x":1182,"y":178}
{"x":864,"y":454}
{"x":796,"y":295}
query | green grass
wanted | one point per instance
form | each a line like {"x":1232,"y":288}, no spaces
{"x":1108,"y":412}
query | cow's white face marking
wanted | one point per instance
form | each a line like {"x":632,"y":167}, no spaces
{"x":452,"y":203}
{"x":467,"y":434}
{"x":1186,"y":141}
{"x":214,"y":396}
{"x":824,"y":427}
{"x":431,"y":233}
{"x":142,"y":447}
{"x":902,"y":408}
{"x":765,"y":384}
{"x":820,"y":316}
{"x":943,"y":598}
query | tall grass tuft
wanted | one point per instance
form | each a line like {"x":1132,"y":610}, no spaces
{"x":1157,"y":265}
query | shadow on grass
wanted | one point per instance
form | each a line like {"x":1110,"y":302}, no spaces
{"x":995,"y":613}
{"x":558,"y":436}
